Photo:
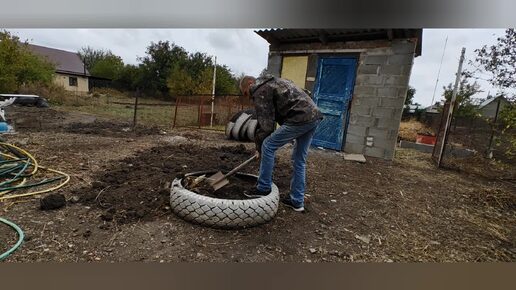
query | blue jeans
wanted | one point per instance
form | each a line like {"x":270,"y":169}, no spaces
{"x":284,"y":134}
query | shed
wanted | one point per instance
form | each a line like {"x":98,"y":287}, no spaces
{"x":359,"y":79}
{"x":490,"y":107}
{"x":71,"y":73}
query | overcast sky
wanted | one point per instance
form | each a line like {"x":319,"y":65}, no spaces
{"x":243,"y":51}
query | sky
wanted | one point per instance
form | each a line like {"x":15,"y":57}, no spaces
{"x":243,"y":51}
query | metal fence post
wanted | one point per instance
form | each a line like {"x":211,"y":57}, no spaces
{"x":175,"y":111}
{"x":213,"y":92}
{"x":199,"y":114}
{"x":490,"y":148}
{"x":136,"y":108}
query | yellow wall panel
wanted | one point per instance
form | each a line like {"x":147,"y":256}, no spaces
{"x":62,"y":80}
{"x":294,"y":69}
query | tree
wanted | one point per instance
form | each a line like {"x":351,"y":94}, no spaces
{"x":129,"y":77}
{"x":182,"y":82}
{"x":101,"y":63}
{"x":464,"y":103}
{"x":226,"y":83}
{"x":19,"y":66}
{"x":91,"y":56}
{"x":194,"y":76}
{"x":110,"y":67}
{"x":157,"y":65}
{"x":410,"y":95}
{"x":499,"y":61}
{"x":508,"y":120}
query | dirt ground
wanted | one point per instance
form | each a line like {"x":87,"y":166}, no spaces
{"x":117,"y":209}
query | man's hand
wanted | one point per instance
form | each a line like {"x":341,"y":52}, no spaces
{"x":257,"y":155}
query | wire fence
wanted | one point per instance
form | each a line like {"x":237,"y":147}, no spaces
{"x":474,"y":144}
{"x":199,"y":111}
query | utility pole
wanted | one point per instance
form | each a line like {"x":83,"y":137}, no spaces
{"x":213,"y":91}
{"x":452,"y":104}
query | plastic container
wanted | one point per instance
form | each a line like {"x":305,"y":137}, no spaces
{"x":4,"y":127}
{"x":425,"y":139}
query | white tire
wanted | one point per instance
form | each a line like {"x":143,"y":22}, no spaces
{"x":229,"y":127}
{"x":235,"y":132}
{"x":222,"y":213}
{"x":243,"y":131}
{"x":251,"y":128}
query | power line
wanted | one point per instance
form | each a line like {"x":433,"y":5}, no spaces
{"x":439,"y":71}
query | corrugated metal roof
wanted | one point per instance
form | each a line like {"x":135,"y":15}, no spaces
{"x":490,"y":100}
{"x":278,"y":36}
{"x":65,"y":61}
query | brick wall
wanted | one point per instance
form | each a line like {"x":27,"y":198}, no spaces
{"x":380,"y":90}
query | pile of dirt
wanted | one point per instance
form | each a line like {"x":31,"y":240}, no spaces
{"x":236,"y":189}
{"x":111,"y":129}
{"x":138,"y":188}
{"x":35,"y":119}
{"x":32,"y":119}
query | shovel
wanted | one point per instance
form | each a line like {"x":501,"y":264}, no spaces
{"x":219,"y":180}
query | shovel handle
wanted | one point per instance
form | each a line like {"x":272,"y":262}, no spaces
{"x":240,"y":166}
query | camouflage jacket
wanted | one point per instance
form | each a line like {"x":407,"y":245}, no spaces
{"x":280,"y":100}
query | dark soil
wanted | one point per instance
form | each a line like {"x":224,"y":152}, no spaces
{"x":33,"y":119}
{"x":111,"y":129}
{"x":52,"y":201}
{"x":8,"y":237}
{"x":489,"y":169}
{"x":406,"y":210}
{"x":138,"y":188}
{"x":236,"y":189}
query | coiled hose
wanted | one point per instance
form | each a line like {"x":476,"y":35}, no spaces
{"x":15,"y":169}
{"x":21,"y":236}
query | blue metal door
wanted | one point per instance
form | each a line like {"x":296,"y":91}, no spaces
{"x":332,"y":94}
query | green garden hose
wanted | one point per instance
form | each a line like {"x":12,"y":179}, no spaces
{"x":14,"y":172}
{"x":21,"y":236}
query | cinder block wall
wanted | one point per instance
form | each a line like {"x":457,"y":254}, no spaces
{"x":380,"y":91}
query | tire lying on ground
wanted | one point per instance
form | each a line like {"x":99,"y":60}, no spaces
{"x":222,"y":213}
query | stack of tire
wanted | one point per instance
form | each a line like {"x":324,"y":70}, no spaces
{"x":242,"y":126}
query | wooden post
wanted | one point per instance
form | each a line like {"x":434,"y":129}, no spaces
{"x":199,"y":112}
{"x":178,"y":101}
{"x":228,"y":103}
{"x":450,"y":110}
{"x":136,"y":108}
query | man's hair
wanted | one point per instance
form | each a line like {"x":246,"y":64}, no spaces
{"x":244,"y":82}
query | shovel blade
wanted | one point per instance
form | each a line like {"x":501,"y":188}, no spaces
{"x":218,"y":181}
